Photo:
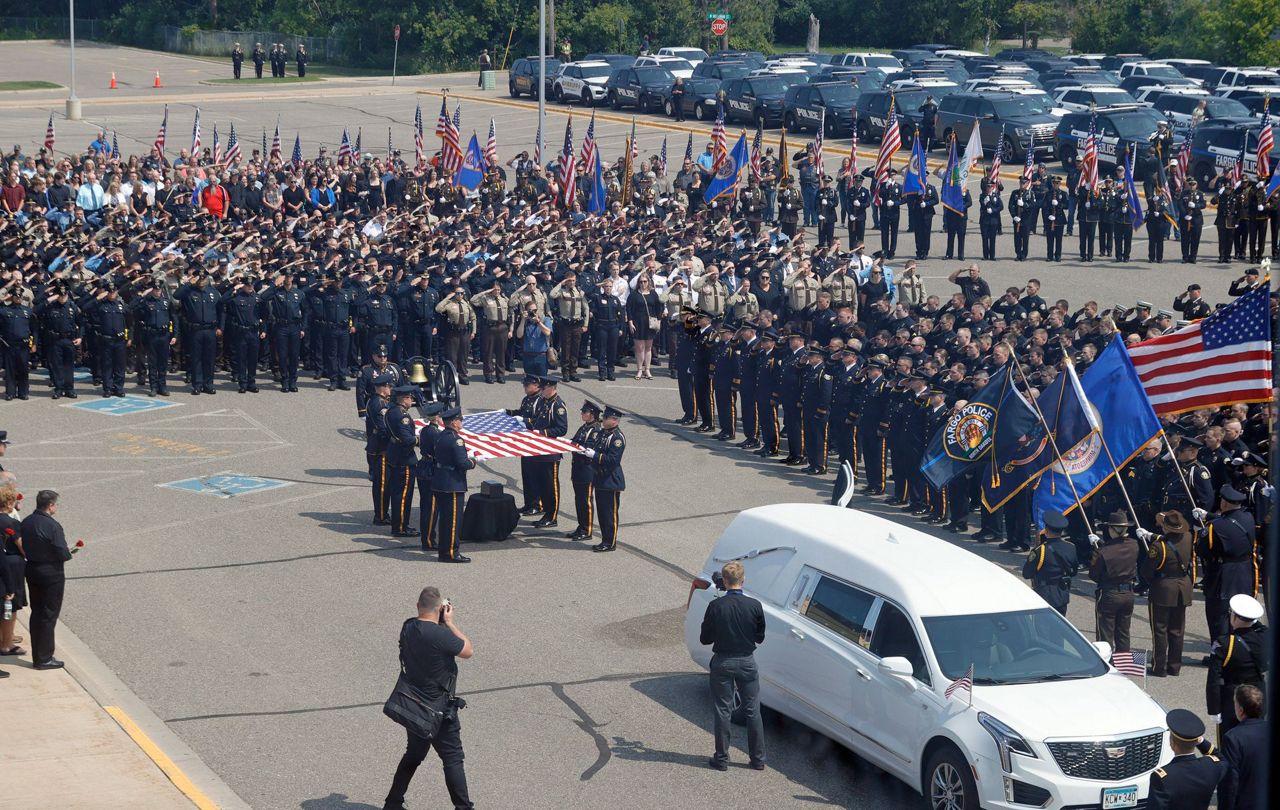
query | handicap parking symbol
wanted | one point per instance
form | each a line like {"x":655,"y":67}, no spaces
{"x":226,"y":484}
{"x":121,"y":406}
{"x":79,"y":375}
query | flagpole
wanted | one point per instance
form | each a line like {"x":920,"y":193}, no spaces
{"x":1053,"y":442}
{"x":1181,"y":477}
{"x":1115,"y":472}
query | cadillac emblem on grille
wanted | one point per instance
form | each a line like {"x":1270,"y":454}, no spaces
{"x":1116,"y":753}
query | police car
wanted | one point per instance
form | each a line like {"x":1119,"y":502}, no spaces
{"x":693,"y":56}
{"x":523,"y":76}
{"x":1024,"y":121}
{"x":889,"y":64}
{"x":678,"y":67}
{"x":1216,"y":145}
{"x":1179,"y":108}
{"x":1090,"y":96}
{"x":830,"y":104}
{"x":640,"y":87}
{"x":873,"y":114}
{"x":757,"y":99}
{"x":1118,"y":128}
{"x":581,"y":81}
{"x":701,"y":94}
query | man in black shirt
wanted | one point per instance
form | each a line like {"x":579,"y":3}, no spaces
{"x":974,"y":287}
{"x":45,"y":547}
{"x":733,"y":626}
{"x":429,"y":645}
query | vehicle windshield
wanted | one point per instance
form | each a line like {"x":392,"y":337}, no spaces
{"x":1106,"y":98}
{"x":1225,"y":108}
{"x":771,"y":86}
{"x":1164,"y":71}
{"x":883,"y":61}
{"x":1263,"y":81}
{"x":675,"y":63}
{"x":839,"y":93}
{"x":1026,"y":646}
{"x":1022,"y":105}
{"x":909,"y":100}
{"x":653,"y":75}
{"x":1137,"y":126}
{"x":733,"y":71}
{"x":597,"y":72}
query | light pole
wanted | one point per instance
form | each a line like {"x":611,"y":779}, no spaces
{"x":73,"y":103}
{"x":542,"y":74}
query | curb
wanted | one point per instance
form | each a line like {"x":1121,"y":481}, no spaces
{"x":166,"y":750}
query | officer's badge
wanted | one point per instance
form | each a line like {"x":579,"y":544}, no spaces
{"x":1204,"y":474}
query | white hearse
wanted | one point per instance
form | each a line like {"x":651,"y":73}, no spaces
{"x":868,"y":622}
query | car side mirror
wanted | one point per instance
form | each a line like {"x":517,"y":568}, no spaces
{"x":1104,"y":650}
{"x":900,"y":669}
{"x":989,"y":116}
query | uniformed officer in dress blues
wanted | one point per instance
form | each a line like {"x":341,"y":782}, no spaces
{"x":288,"y":313}
{"x":607,"y":318}
{"x":377,"y":368}
{"x":768,"y":392}
{"x":747,"y":378}
{"x":427,"y":438}
{"x":528,"y":471}
{"x":724,"y":369}
{"x":200,"y":332}
{"x":791,"y":390}
{"x":16,"y":321}
{"x":62,"y":322}
{"x":1186,"y":782}
{"x":111,"y":329}
{"x":401,"y":458}
{"x":1239,"y":657}
{"x":241,"y":322}
{"x":1227,"y":547}
{"x":153,"y":335}
{"x":551,"y":419}
{"x":375,"y":446}
{"x":815,"y":402}
{"x":606,"y":457}
{"x":449,"y":484}
{"x":1051,"y":565}
{"x":582,"y":471}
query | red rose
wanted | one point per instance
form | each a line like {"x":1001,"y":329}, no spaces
{"x":79,"y":544}
{"x":9,"y":532}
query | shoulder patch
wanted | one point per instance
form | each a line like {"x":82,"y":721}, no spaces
{"x":404,"y":420}
{"x":560,"y":411}
{"x":1161,"y":772}
{"x":460,"y":443}
{"x":1204,"y":474}
{"x":617,"y":442}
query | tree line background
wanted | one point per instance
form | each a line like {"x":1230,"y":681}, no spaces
{"x":439,"y":35}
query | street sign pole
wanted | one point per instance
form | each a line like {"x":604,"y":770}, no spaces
{"x":395,"y":57}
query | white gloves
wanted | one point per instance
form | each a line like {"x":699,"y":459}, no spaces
{"x":1144,"y":535}
{"x":1095,"y":540}
{"x":1216,"y":718}
{"x":1199,"y":514}
{"x":890,"y":202}
{"x":589,"y":453}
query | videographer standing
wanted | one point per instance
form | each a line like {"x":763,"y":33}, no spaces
{"x":429,"y":645}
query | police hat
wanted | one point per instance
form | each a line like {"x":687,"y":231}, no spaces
{"x":1252,"y":271}
{"x":4,"y":437}
{"x":818,"y":352}
{"x":404,"y":391}
{"x":109,"y":285}
{"x":1055,"y":521}
{"x":547,"y":382}
{"x":611,"y":412}
{"x":1184,"y":725}
{"x":1249,"y":458}
{"x":1164,"y":313}
{"x":769,"y":334}
{"x":384,"y":379}
{"x":588,"y":405}
{"x":1246,"y":607}
{"x":1119,"y":519}
{"x":702,"y":313}
{"x":1189,"y":441}
{"x":726,"y":326}
{"x":1144,"y":305}
{"x":1191,"y":287}
{"x":451,"y":413}
{"x":532,"y":379}
{"x":432,"y":408}
{"x":380,"y":351}
{"x":1230,"y":494}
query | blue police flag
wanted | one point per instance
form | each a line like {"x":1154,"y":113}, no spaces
{"x":726,"y":180}
{"x":1123,"y":423}
{"x":971,"y":432}
{"x":1131,"y":190}
{"x":598,"y":201}
{"x":953,"y":183}
{"x":914,"y":179}
{"x":471,"y":172}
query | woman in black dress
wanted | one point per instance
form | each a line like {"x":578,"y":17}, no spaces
{"x":643,"y":311}
{"x":12,"y":566}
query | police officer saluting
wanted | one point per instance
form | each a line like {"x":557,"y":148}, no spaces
{"x":401,"y":458}
{"x":1051,"y":565}
{"x":552,"y":420}
{"x":153,"y":325}
{"x":1187,"y":782}
{"x":582,"y":471}
{"x":449,"y":485}
{"x":606,"y":459}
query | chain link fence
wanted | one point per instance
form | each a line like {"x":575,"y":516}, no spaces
{"x":51,"y":28}
{"x":219,"y":43}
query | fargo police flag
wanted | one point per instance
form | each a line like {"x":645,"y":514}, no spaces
{"x":726,"y":179}
{"x":1131,"y":192}
{"x":471,"y":172}
{"x":1123,"y":423}
{"x":970,"y":433}
{"x":598,"y":201}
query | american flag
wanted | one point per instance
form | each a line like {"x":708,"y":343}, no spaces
{"x":418,"y":137}
{"x":160,"y":136}
{"x":587,"y":158}
{"x":964,"y":682}
{"x":568,"y":175}
{"x":1130,"y":662}
{"x":853,"y":149}
{"x":1219,"y":360}
{"x":998,"y":161}
{"x":1028,"y":168}
{"x":757,"y":146}
{"x":1184,"y":155}
{"x":264,"y":141}
{"x":1266,"y":140}
{"x":889,"y":144}
{"x":275,"y":144}
{"x":297,"y":150}
{"x":217,"y":145}
{"x":49,"y":138}
{"x":1089,"y":164}
{"x":195,"y":135}
{"x":1237,"y":171}
{"x":688,"y":149}
{"x":442,"y":120}
{"x":355,"y":149}
{"x":389,"y":147}
{"x":233,"y":147}
{"x":491,"y":145}
{"x":662,"y":158}
{"x":494,"y":434}
{"x":537,"y":146}
{"x":817,"y":144}
{"x":719,"y":144}
{"x":635,"y":145}
{"x":115,"y":145}
{"x":451,"y":150}
{"x":344,"y":147}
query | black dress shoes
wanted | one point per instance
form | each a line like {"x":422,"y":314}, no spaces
{"x":52,"y":663}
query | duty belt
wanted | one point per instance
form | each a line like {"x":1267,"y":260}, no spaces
{"x":490,"y":323}
{"x":1111,"y":586}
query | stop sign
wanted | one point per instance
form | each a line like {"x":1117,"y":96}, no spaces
{"x":719,"y":27}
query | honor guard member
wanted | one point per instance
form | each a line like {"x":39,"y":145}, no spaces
{"x":287,"y":308}
{"x":1226,"y":217}
{"x":815,"y":403}
{"x":768,"y":392}
{"x":859,"y":204}
{"x":1090,"y":210}
{"x":751,"y":205}
{"x":890,"y":197}
{"x":1186,"y":782}
{"x":913,"y":445}
{"x":401,"y":458}
{"x":791,"y":393}
{"x":378,"y":322}
{"x":608,"y":316}
{"x":259,"y":58}
{"x":237,"y":59}
{"x":573,"y":318}
{"x":1239,"y":657}
{"x":724,"y":370}
{"x":956,"y":224}
{"x":1022,"y":211}
{"x":1258,"y":494}
{"x":935,"y":417}
{"x":376,"y":440}
{"x":62,"y":322}
{"x":1157,"y":218}
{"x":582,"y":471}
{"x":683,"y":333}
{"x":494,"y":313}
{"x":1121,"y":225}
{"x":449,"y":484}
{"x":845,"y":389}
{"x":923,"y":209}
{"x":550,"y":419}
{"x":989,"y":207}
{"x":789,"y":207}
{"x":427,"y":438}
{"x":1053,"y":207}
{"x":702,"y":341}
{"x":528,"y":471}
{"x":1197,"y":477}
{"x":606,"y":456}
{"x":828,"y":205}
{"x":111,"y":330}
{"x":370,"y":372}
{"x":1191,"y":202}
{"x":1114,"y":568}
{"x":1227,"y":546}
{"x":16,"y":339}
{"x":242,"y":324}
{"x":745,"y":382}
{"x":872,"y":425}
{"x":1105,"y":207}
{"x":153,"y":326}
{"x":1051,"y":564}
{"x":200,"y":332}
{"x":417,"y":319}
{"x":1168,"y":571}
{"x":1190,"y":303}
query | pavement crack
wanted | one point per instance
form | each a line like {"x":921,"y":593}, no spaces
{"x":588,"y":725}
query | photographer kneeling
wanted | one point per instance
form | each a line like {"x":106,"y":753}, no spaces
{"x":429,"y":645}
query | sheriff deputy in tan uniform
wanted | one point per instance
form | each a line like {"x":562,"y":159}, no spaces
{"x":843,"y":287}
{"x":494,"y":313}
{"x":744,"y":303}
{"x":711,"y":292}
{"x":520,"y":299}
{"x":459,"y":328}
{"x":802,"y":292}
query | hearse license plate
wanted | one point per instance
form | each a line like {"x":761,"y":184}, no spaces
{"x":1116,"y":798}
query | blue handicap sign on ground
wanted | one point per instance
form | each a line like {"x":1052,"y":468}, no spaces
{"x":226,"y":484}
{"x":79,"y":375}
{"x":122,"y":406}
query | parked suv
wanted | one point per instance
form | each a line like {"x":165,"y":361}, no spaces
{"x":640,"y":87}
{"x":886,"y":62}
{"x":1216,"y":147}
{"x":1089,"y":97}
{"x":581,"y":81}
{"x":1118,"y":128}
{"x":873,"y":114}
{"x":868,"y":623}
{"x":1024,"y":121}
{"x":830,"y":104}
{"x":523,"y":76}
{"x":1179,"y":108}
{"x":756,"y":99}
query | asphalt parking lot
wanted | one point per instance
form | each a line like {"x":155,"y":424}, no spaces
{"x":258,"y":618}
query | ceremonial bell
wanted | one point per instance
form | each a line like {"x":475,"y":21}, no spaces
{"x":418,"y":373}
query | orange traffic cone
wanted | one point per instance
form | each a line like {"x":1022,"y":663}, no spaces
{"x":157,"y":82}
{"x":113,"y":81}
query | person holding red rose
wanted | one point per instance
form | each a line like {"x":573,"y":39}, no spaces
{"x":12,"y":589}
{"x":45,"y":546}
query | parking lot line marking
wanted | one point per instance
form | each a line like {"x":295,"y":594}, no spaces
{"x":170,"y":769}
